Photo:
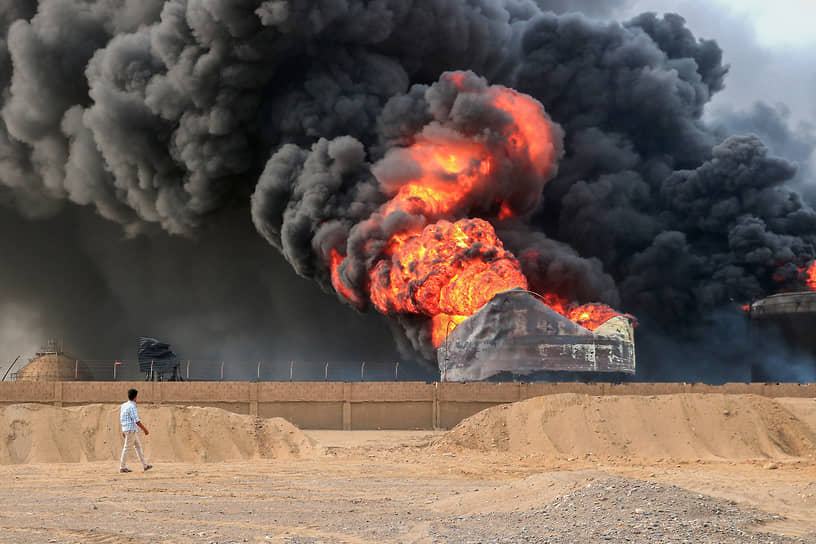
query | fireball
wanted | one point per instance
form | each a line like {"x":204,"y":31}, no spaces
{"x":451,"y":173}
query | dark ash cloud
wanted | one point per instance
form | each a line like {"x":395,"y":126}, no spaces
{"x":189,"y":117}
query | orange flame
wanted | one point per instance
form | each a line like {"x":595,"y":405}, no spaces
{"x":336,"y":261}
{"x":450,"y":172}
{"x":593,"y":315}
{"x":808,"y":274}
{"x":442,"y":325}
{"x":532,"y":134}
{"x":449,"y":270}
{"x":452,"y":169}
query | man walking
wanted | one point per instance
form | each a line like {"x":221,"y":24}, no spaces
{"x":129,"y":417}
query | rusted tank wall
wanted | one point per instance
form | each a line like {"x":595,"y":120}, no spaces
{"x":370,"y":405}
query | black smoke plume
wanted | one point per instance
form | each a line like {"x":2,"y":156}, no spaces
{"x":170,"y":117}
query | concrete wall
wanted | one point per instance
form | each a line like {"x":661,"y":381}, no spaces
{"x":358,"y":405}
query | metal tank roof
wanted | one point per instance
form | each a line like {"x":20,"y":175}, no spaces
{"x":784,"y":303}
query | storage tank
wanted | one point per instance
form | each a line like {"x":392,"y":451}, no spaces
{"x":517,"y":333}
{"x":50,"y":364}
{"x":790,"y":316}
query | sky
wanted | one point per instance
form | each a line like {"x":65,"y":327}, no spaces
{"x":769,"y":49}
{"x":780,"y":23}
{"x":767,"y":44}
{"x":774,"y":24}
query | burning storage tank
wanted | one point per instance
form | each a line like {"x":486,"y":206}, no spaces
{"x":452,"y":189}
{"x":517,"y":333}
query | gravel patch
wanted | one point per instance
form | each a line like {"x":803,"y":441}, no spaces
{"x":616,"y":510}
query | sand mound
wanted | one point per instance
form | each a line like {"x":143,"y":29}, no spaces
{"x":36,"y":433}
{"x":706,"y":426}
{"x":803,"y":408}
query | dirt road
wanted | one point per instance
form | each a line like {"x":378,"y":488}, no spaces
{"x":381,"y":487}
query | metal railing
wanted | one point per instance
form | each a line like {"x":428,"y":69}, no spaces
{"x":217,"y":370}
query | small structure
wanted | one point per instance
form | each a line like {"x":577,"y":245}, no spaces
{"x":517,"y":333}
{"x":157,"y":360}
{"x":51,"y":364}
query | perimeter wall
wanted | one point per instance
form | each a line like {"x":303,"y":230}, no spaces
{"x":357,"y":405}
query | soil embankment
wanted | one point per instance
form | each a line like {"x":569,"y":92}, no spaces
{"x":36,"y":433}
{"x":682,"y":426}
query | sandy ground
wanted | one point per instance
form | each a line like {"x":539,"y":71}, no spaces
{"x":545,"y":470}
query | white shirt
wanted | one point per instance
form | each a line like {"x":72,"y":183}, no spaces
{"x":128,"y":416}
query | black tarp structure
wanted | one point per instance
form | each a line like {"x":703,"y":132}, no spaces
{"x":156,"y":358}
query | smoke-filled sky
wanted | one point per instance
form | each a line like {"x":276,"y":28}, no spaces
{"x":183,"y":169}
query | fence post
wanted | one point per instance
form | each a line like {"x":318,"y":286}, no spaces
{"x":326,"y":373}
{"x":362,"y":372}
{"x":188,"y":370}
{"x":259,"y":371}
{"x":396,"y":371}
{"x":76,"y":369}
{"x":291,"y":368}
{"x":114,"y":371}
{"x":222,"y":371}
{"x":151,"y":371}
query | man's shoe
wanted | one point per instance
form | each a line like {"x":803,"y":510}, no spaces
{"x":148,"y":467}
{"x":126,"y":470}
